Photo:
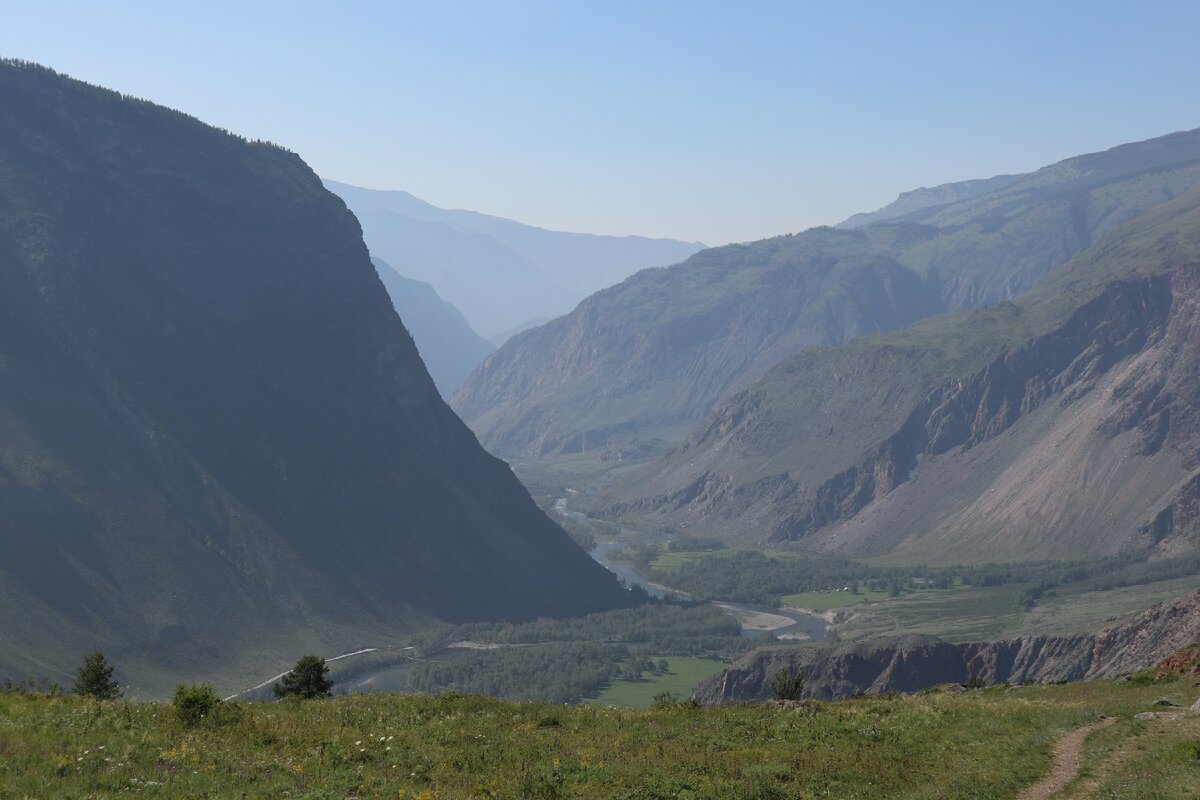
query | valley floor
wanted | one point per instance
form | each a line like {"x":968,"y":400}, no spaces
{"x":988,"y":743}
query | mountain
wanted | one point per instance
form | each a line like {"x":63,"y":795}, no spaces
{"x":1061,"y":424}
{"x":219,"y":448}
{"x":647,"y":359}
{"x":925,"y":202}
{"x":501,"y":274}
{"x":448,"y":346}
{"x":911,"y":663}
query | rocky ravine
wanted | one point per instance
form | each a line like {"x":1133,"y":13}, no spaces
{"x":1069,"y":425}
{"x":911,"y":663}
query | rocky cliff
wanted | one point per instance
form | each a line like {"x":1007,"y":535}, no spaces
{"x":911,"y":663}
{"x":1041,"y":429}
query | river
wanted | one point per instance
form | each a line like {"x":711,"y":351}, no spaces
{"x":755,"y":620}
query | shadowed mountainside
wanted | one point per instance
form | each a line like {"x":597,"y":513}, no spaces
{"x":218,"y":445}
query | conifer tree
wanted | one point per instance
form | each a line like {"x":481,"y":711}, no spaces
{"x":95,"y":678}
{"x":308,"y":679}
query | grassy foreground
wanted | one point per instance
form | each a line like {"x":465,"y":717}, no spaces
{"x":978,"y":744}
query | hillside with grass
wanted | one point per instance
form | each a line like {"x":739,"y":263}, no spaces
{"x":1061,"y":423}
{"x":638,"y":366}
{"x":980,"y":743}
{"x":210,"y":414}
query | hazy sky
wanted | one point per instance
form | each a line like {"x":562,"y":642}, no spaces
{"x":706,"y":121}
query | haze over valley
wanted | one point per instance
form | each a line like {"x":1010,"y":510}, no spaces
{"x":309,"y":489}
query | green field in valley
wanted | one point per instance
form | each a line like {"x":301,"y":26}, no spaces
{"x":682,"y":675}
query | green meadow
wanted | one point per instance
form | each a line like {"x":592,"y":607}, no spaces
{"x":986,"y":743}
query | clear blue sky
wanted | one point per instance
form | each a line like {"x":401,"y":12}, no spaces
{"x":710,"y":121}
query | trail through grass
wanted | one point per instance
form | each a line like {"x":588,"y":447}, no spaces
{"x":979,"y":744}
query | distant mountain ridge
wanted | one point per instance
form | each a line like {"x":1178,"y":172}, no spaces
{"x":448,"y":346}
{"x":501,"y":274}
{"x":643,"y":362}
{"x":924,"y":201}
{"x":219,"y":448}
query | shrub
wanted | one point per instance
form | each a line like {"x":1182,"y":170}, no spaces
{"x":785,"y":686}
{"x":95,"y":678}
{"x":195,"y":702}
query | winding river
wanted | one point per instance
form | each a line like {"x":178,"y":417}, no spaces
{"x":755,"y":620}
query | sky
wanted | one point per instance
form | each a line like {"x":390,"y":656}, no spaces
{"x":712,"y":122}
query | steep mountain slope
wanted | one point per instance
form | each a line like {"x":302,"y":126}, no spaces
{"x":911,"y":663}
{"x":925,"y":200}
{"x":448,"y":346}
{"x":499,"y":273}
{"x":1062,"y":424}
{"x":651,"y":356}
{"x":218,"y":445}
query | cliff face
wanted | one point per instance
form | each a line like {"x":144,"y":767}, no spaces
{"x":908,"y":664}
{"x":651,"y":357}
{"x":1062,"y":423}
{"x":218,"y":444}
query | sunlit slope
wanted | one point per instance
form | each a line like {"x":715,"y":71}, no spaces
{"x":1060,"y":425}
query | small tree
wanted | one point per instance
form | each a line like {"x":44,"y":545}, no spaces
{"x":785,"y":686}
{"x":308,"y":679}
{"x":95,"y":678}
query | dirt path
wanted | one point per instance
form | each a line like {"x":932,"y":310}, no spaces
{"x":1068,"y":758}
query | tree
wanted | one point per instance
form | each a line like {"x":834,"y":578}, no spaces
{"x":308,"y":679}
{"x":95,"y":678}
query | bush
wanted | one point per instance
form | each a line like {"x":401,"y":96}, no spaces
{"x":785,"y":686}
{"x":95,"y":678}
{"x":195,"y":702}
{"x":308,"y":679}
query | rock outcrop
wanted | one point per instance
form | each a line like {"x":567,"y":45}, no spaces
{"x":912,"y":663}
